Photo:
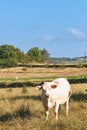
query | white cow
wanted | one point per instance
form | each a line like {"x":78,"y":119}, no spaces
{"x":55,"y":93}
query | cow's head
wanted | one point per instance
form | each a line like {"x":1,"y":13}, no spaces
{"x":47,"y":88}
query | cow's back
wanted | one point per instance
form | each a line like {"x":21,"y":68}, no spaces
{"x":61,"y":93}
{"x":62,"y":82}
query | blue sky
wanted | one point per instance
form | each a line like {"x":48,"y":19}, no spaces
{"x":59,"y":26}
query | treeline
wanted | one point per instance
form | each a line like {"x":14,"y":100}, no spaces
{"x":11,"y":56}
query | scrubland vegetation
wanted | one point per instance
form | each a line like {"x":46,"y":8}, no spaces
{"x":21,"y":107}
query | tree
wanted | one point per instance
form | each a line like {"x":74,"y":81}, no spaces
{"x":45,"y":55}
{"x":11,"y":56}
{"x":21,"y":57}
{"x":8,"y":56}
{"x":34,"y":54}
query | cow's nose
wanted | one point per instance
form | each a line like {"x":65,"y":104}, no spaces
{"x":47,"y":95}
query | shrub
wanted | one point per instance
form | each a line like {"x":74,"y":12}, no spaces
{"x":79,"y":65}
{"x":24,"y":90}
{"x":9,"y":90}
{"x":24,"y":69}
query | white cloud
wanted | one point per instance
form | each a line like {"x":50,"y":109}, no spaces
{"x":48,"y":38}
{"x":77,"y":33}
{"x":52,"y":38}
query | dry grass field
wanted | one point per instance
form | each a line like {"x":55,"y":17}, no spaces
{"x":20,"y":111}
{"x":41,"y":72}
{"x":24,"y":111}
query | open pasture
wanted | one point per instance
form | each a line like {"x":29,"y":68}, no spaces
{"x":24,"y":111}
{"x":26,"y":72}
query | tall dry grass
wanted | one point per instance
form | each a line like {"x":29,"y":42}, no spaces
{"x":24,"y":111}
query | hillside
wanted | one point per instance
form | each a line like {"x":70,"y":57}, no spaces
{"x":68,"y":60}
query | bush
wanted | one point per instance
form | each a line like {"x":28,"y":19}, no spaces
{"x":24,"y":69}
{"x":9,"y":90}
{"x":79,"y":65}
{"x":24,"y":90}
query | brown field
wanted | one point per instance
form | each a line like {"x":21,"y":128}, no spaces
{"x":20,"y":111}
{"x":24,"y":111}
{"x":41,"y":72}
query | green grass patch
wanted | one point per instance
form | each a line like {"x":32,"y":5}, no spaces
{"x":11,"y":82}
{"x":42,"y":78}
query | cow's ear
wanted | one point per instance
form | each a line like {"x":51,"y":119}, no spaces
{"x":38,"y":87}
{"x":53,"y":85}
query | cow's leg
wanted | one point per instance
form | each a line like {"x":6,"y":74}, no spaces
{"x":47,"y":114}
{"x":56,"y":108}
{"x":46,"y":111}
{"x":67,"y":107}
{"x":45,"y":103}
